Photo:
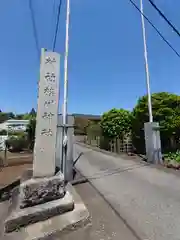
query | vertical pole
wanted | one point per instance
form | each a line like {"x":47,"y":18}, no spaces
{"x":65,"y":89}
{"x":146,"y":65}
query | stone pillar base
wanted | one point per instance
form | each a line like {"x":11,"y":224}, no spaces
{"x":71,"y":225}
{"x":23,"y":217}
{"x":38,"y":199}
{"x":40,"y":190}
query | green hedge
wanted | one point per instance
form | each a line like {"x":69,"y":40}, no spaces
{"x":16,"y":143}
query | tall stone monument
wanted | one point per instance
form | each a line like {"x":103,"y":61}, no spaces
{"x":47,"y":116}
{"x":40,"y":196}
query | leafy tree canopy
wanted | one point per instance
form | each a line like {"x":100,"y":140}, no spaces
{"x":4,"y":116}
{"x":94,"y":128}
{"x":166,"y":111}
{"x":31,"y":128}
{"x":116,"y":123}
{"x":32,"y":112}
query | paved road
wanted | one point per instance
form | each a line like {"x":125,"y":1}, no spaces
{"x":148,"y":199}
{"x":106,"y":225}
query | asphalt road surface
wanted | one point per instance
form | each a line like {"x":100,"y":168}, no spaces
{"x":146,"y":198}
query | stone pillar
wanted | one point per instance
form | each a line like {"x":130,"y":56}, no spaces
{"x":153,"y":142}
{"x":44,"y":186}
{"x":43,"y":195}
{"x":47,"y":114}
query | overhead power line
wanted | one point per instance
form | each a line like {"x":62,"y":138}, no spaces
{"x":164,"y":17}
{"x":34,"y":28}
{"x":57,"y":24}
{"x":155,"y":28}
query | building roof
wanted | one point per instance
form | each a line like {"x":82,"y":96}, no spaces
{"x":88,"y":116}
{"x":16,"y":120}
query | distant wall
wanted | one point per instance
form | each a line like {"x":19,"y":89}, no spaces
{"x":79,"y":138}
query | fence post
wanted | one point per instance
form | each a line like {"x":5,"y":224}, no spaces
{"x":111,"y":145}
{"x":115,"y":145}
{"x":118,"y":146}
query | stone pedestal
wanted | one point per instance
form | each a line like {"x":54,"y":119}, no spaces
{"x":40,"y":190}
{"x":69,"y":224}
{"x":41,"y":212}
{"x":38,"y":199}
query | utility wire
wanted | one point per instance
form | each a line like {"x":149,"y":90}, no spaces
{"x":53,"y":18}
{"x":57,"y":24}
{"x":34,"y":28}
{"x":155,"y":28}
{"x":164,"y":17}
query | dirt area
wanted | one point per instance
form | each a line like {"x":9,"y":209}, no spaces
{"x":16,"y":164}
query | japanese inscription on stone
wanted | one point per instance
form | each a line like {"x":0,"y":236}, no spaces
{"x":47,"y":113}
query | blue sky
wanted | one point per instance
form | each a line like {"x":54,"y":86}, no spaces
{"x":106,"y":64}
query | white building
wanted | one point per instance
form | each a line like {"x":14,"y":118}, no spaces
{"x":14,"y":125}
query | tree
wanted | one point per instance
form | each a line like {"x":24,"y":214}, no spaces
{"x":17,"y":143}
{"x":31,"y":132}
{"x":32,"y":113}
{"x":10,"y":115}
{"x":3,"y":132}
{"x":19,"y":116}
{"x":27,"y":116}
{"x":116,"y":123}
{"x":4,"y":116}
{"x":93,"y":128}
{"x":80,"y":125}
{"x":166,"y":111}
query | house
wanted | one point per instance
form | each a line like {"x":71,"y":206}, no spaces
{"x":14,"y":125}
{"x":11,"y":125}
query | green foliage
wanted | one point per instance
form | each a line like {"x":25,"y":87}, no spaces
{"x":80,"y":125}
{"x":31,"y":128}
{"x":32,"y":113}
{"x":26,"y":116}
{"x":166,"y":111}
{"x":4,"y":116}
{"x":19,"y":116}
{"x":17,"y":143}
{"x":94,"y":128}
{"x":17,"y":133}
{"x":3,"y":132}
{"x":116,"y":123}
{"x":174,"y":156}
{"x":81,"y":122}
